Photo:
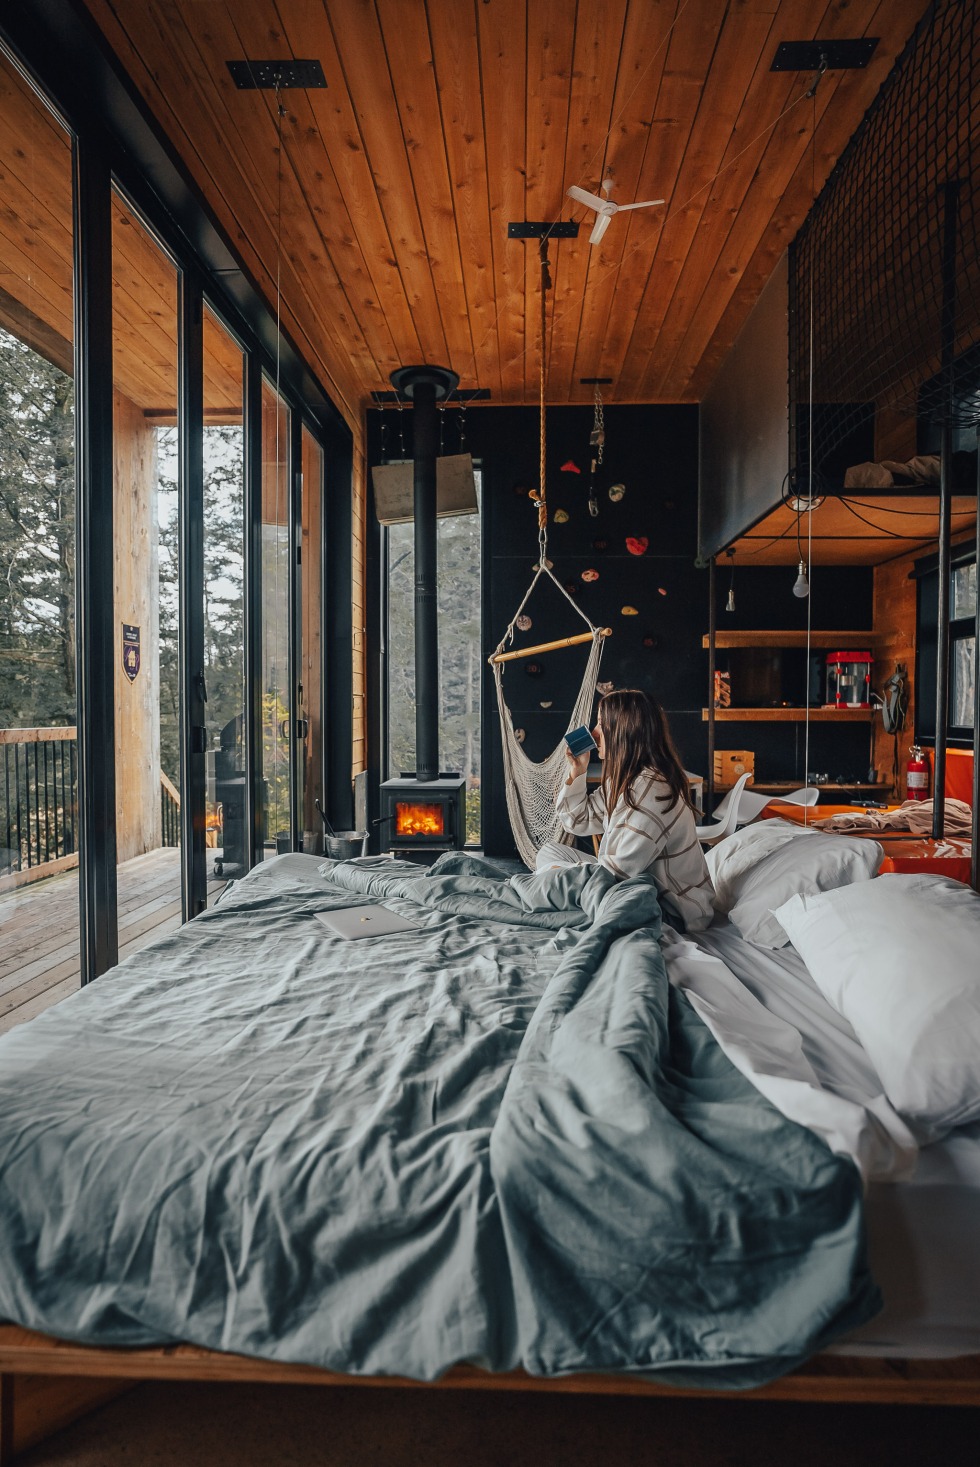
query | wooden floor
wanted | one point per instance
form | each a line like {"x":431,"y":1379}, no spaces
{"x":39,"y":949}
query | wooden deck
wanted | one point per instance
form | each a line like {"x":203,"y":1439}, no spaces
{"x":39,"y":948}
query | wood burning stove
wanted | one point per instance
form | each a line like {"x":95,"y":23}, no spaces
{"x":420,"y":818}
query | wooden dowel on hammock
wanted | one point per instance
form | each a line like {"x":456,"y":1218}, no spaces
{"x":550,"y":646}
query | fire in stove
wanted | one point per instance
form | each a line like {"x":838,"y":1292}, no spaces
{"x":419,"y":819}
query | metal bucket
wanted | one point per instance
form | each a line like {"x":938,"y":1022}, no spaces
{"x":345,"y":844}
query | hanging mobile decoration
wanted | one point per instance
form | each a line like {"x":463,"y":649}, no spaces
{"x":597,"y":440}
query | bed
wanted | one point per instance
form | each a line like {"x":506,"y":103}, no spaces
{"x":537,"y":1141}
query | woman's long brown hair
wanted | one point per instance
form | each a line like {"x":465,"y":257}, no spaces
{"x":636,"y":737}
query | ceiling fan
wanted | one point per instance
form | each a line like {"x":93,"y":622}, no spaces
{"x":605,"y":208}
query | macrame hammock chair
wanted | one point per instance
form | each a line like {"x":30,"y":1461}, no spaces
{"x":532,"y":788}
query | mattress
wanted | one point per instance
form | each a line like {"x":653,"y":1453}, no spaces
{"x":922,"y":1206}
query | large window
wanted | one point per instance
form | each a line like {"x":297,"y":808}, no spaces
{"x":962,"y":643}
{"x":276,"y":700}
{"x":146,"y":581}
{"x":460,"y":668}
{"x":962,"y":630}
{"x":224,"y":604}
{"x":39,"y":832}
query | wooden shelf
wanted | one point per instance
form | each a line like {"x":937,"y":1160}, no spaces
{"x":784,"y":786}
{"x":788,"y":715}
{"x":832,"y":641}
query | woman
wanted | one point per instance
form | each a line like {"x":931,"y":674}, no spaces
{"x":642,"y":808}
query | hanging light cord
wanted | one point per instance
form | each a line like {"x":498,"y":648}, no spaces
{"x":809,"y":449}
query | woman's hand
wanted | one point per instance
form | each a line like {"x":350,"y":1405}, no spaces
{"x":578,"y":763}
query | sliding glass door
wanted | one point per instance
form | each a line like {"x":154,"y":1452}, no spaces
{"x":39,"y":831}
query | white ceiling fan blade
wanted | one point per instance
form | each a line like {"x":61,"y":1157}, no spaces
{"x":592,"y":201}
{"x":599,"y":228}
{"x":647,"y":204}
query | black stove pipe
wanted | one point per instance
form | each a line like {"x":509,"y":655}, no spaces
{"x":426,"y":440}
{"x":425,"y":386}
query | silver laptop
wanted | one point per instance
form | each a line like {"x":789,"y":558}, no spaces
{"x":354,"y":922}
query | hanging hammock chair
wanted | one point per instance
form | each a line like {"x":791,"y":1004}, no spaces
{"x":532,"y":788}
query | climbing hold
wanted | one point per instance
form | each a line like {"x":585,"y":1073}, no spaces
{"x":630,"y":611}
{"x":560,"y":516}
{"x":519,"y":735}
{"x":546,"y":703}
{"x":572,"y":587}
{"x":649,"y":640}
{"x":604,"y":688}
{"x":637,"y":544}
{"x":570,"y":468}
{"x":524,"y":623}
{"x":533,"y":669}
{"x":590,"y":575}
{"x":601,"y":546}
{"x":616,"y":492}
{"x":661,"y":591}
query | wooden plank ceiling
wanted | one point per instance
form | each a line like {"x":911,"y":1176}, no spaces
{"x":860,"y":528}
{"x":443,"y":120}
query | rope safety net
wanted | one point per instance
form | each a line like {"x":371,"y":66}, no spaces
{"x":532,"y":787}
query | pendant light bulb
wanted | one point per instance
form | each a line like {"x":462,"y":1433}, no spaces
{"x":801,"y":586}
{"x":730,"y":603}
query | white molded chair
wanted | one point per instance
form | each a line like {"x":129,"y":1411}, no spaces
{"x":725,"y":816}
{"x":740,"y":806}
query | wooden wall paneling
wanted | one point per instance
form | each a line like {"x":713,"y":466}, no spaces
{"x":550,"y":64}
{"x":714,"y":191}
{"x":36,"y":216}
{"x":136,"y":602}
{"x":590,"y":144}
{"x":341,"y":190}
{"x":456,"y":53}
{"x":893,"y":23}
{"x":713,"y":260}
{"x":411,"y":65}
{"x":638,"y":248}
{"x":369,"y":83}
{"x":221,"y":154}
{"x":503,"y":70}
{"x":297,"y":249}
{"x":614,"y":273}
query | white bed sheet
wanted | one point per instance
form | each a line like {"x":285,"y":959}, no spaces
{"x":923,"y":1207}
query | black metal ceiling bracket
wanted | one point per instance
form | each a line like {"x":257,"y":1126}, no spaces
{"x":533,"y":229}
{"x":277,"y":75}
{"x":826,"y":55}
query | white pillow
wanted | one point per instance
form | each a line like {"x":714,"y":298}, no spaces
{"x":759,"y":868}
{"x":900,"y":959}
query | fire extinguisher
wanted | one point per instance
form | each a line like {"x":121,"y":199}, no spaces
{"x":917,"y":775}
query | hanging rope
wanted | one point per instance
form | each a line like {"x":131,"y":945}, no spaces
{"x":532,"y":788}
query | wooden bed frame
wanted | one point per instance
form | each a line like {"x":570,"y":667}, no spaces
{"x":45,"y":1383}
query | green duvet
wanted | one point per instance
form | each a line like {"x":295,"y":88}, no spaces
{"x":500,"y":1138}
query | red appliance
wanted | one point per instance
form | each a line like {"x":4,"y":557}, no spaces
{"x":849,"y":679}
{"x":917,"y":775}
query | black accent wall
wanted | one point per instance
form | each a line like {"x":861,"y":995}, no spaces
{"x":653,"y":451}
